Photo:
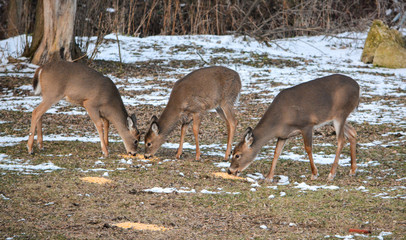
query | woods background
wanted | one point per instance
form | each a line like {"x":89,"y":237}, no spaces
{"x":258,"y":18}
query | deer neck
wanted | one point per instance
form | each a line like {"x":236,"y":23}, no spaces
{"x":119,"y":119}
{"x":264,"y":132}
{"x":168,"y":120}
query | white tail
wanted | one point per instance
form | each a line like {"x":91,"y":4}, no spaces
{"x":298,"y":110}
{"x":90,"y":89}
{"x":202,"y":90}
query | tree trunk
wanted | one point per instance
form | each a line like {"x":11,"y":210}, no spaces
{"x":38,"y":30}
{"x":14,"y":16}
{"x":58,"y":39}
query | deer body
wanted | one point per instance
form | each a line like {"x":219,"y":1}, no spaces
{"x":202,"y":90}
{"x":83,"y":86}
{"x":298,"y":110}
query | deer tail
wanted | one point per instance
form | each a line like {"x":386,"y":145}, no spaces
{"x":35,"y":81}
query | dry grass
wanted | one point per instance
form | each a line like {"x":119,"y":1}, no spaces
{"x":59,"y":205}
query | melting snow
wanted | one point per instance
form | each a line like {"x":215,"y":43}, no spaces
{"x":169,"y":190}
{"x":304,"y":187}
{"x":25,"y":167}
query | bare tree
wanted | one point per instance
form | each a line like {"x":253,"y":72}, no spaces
{"x":53,"y":34}
{"x":14,"y":25}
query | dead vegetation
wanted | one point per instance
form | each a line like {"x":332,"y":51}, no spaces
{"x":59,"y":205}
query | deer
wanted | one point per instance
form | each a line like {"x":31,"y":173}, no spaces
{"x":201,"y":90}
{"x":81,"y":85}
{"x":297,"y":110}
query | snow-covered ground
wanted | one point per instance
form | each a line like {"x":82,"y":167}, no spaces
{"x":315,"y":56}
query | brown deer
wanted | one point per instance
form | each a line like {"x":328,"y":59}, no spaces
{"x":83,"y":86}
{"x":199,"y":91}
{"x":298,"y":110}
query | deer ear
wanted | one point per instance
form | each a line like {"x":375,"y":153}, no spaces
{"x":134,"y":118}
{"x":130,"y":123}
{"x":155,"y":127}
{"x":248,"y":137}
{"x":154,"y":119}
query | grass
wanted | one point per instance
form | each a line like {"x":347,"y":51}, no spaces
{"x":59,"y":205}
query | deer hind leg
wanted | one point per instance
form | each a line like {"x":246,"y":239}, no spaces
{"x":106,"y":125}
{"x":36,"y":121}
{"x":339,"y":127}
{"x":227,"y":113}
{"x":98,"y":122}
{"x":183,"y":129}
{"x":278,"y":151}
{"x":196,"y":125}
{"x":39,"y":134}
{"x":351,"y":135}
{"x":307,"y":134}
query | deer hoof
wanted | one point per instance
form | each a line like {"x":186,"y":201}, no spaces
{"x":268,"y":180}
{"x":352,"y":172}
{"x":314,"y":176}
{"x":330,"y":177}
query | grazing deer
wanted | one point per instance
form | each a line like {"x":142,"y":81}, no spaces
{"x":297,"y":110}
{"x":202,"y":90}
{"x":90,"y":89}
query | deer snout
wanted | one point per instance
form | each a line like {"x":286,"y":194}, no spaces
{"x":132,"y":153}
{"x":234,"y":172}
{"x":146,"y":156}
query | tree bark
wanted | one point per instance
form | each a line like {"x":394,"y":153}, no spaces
{"x":38,"y":30}
{"x":14,"y":16}
{"x":58,"y":24}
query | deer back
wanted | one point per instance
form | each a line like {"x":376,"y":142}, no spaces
{"x":79,"y":83}
{"x":311,"y":103}
{"x":205,"y":89}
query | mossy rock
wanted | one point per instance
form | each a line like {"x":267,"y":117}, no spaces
{"x":378,"y":34}
{"x":390,"y":55}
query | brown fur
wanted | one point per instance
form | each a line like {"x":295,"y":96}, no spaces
{"x":84,"y":86}
{"x":297,"y":110}
{"x":202,"y":90}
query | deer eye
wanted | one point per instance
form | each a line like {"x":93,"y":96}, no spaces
{"x":149,"y":144}
{"x":237,"y":156}
{"x":135,"y":142}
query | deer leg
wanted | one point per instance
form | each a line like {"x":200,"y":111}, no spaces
{"x":98,"y":122}
{"x":182,"y":138}
{"x":351,"y":134}
{"x":229,"y":116}
{"x":39,"y":134}
{"x":196,"y":125}
{"x":278,"y":151}
{"x":339,"y":127}
{"x":307,"y":134}
{"x":36,"y":116}
{"x":106,"y":125}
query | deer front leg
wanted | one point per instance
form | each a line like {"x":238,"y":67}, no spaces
{"x":98,"y":122}
{"x":278,"y":151}
{"x":231,"y":125}
{"x":339,"y":127}
{"x":106,"y":125}
{"x":182,"y":138}
{"x":308,"y":139}
{"x":196,"y":125}
{"x":351,"y":134}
